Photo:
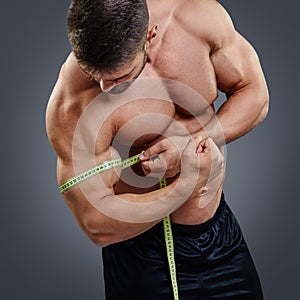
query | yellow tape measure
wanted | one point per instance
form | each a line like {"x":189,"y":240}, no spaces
{"x":107,"y":165}
{"x":170,"y":246}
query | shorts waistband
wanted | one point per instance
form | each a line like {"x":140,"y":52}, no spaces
{"x":192,"y":230}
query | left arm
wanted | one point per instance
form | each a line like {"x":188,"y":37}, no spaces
{"x":238,"y":74}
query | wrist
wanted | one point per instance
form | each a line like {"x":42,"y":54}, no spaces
{"x":214,"y":130}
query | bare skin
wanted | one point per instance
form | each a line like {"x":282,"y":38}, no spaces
{"x":193,"y":42}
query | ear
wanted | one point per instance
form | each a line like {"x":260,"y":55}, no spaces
{"x":151,"y":35}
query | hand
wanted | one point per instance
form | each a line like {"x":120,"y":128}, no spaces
{"x":201,"y":163}
{"x":163,"y":159}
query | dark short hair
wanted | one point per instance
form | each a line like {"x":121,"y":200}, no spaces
{"x":106,"y":34}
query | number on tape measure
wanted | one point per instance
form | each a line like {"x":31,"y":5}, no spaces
{"x":170,"y":254}
{"x":170,"y":246}
{"x":105,"y":166}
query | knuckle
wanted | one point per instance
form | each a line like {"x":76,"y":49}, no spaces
{"x":220,"y":159}
{"x":163,"y":143}
{"x":146,"y":168}
{"x":186,"y":154}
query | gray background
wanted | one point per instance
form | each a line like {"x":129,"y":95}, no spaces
{"x":44,"y":255}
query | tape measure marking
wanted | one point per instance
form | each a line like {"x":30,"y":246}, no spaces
{"x":107,"y":165}
{"x":170,"y":254}
{"x":170,"y":247}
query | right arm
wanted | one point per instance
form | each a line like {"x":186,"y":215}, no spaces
{"x":102,"y":214}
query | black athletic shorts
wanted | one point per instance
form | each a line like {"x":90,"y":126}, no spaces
{"x":212,"y":262}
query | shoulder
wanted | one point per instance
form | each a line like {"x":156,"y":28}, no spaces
{"x":70,"y":94}
{"x":207,"y":20}
{"x":57,"y":121}
{"x":75,"y":81}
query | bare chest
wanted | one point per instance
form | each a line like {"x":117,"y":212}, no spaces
{"x":187,"y":79}
{"x":185,"y":59}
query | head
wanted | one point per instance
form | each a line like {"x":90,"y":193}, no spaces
{"x":109,"y":38}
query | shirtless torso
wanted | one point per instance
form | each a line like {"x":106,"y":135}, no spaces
{"x":197,"y":45}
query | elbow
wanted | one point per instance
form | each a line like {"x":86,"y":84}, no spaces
{"x":100,"y":240}
{"x":98,"y":231}
{"x":264,"y":112}
{"x":265,"y":108}
{"x":261,"y":103}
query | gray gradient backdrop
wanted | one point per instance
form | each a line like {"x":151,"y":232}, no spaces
{"x":43,"y":253}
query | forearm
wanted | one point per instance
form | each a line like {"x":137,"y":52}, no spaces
{"x":242,"y":111}
{"x":115,"y":218}
{"x":104,"y":231}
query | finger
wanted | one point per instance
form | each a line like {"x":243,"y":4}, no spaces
{"x":193,"y":143}
{"x":145,"y":167}
{"x":155,"y":165}
{"x":151,"y":151}
{"x":217,"y":159}
{"x":203,"y":146}
{"x":159,"y":163}
{"x":214,"y":149}
{"x":157,"y":175}
{"x":156,"y":168}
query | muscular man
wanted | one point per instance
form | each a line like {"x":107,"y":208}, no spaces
{"x":119,"y":71}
